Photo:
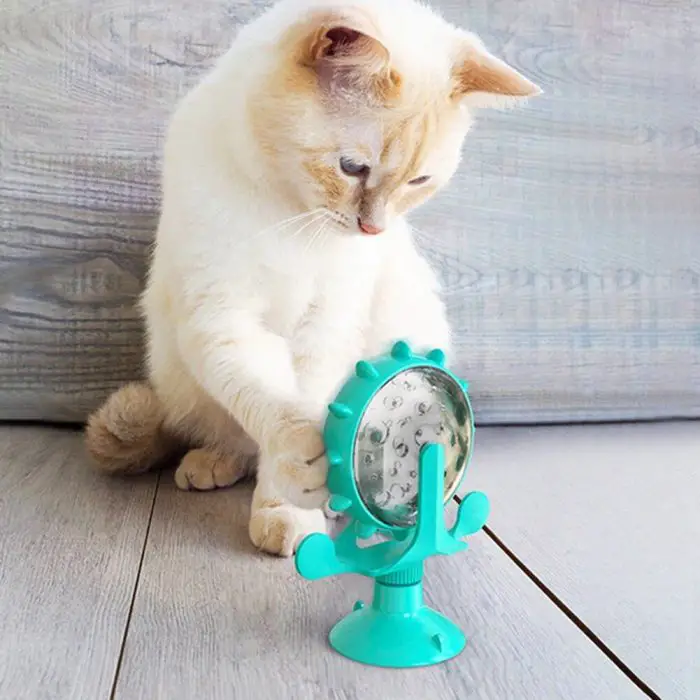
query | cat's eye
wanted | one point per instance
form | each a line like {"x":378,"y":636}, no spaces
{"x":352,"y":168}
{"x":419,"y":180}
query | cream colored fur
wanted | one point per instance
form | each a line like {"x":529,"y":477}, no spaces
{"x":263,"y":292}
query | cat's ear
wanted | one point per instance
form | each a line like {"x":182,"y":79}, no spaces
{"x":482,"y":80}
{"x":350,"y":60}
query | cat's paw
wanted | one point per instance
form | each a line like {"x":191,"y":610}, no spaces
{"x":297,"y":457}
{"x":303,"y":475}
{"x":297,"y":432}
{"x":203,"y":470}
{"x":280,"y":529}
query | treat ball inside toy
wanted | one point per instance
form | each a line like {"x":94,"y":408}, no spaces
{"x":399,"y":437}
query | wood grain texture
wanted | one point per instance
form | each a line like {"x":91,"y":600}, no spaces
{"x":571,"y":244}
{"x":568,"y":244}
{"x":85,"y":93}
{"x":607,"y":517}
{"x":214,"y":619}
{"x":70,"y":545}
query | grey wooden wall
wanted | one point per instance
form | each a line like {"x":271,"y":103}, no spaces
{"x":569,"y":242}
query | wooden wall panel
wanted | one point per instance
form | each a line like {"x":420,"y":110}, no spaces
{"x":568,"y":244}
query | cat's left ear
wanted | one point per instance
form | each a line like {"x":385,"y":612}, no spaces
{"x":482,"y":80}
{"x":349,"y":59}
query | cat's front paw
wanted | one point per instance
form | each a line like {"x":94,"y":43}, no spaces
{"x":203,"y":470}
{"x":302,"y":474}
{"x":280,"y":529}
{"x":298,"y":430}
{"x":297,"y":457}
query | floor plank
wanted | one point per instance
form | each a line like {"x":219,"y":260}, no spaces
{"x":608,"y":517}
{"x":214,"y":619}
{"x":70,"y":545}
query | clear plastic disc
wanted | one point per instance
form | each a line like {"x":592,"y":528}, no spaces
{"x":419,"y":405}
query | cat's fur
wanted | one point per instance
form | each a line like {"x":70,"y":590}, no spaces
{"x":264,"y":290}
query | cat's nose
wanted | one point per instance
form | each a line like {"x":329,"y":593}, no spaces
{"x":368,"y":228}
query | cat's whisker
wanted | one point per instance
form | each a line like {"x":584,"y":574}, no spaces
{"x":318,"y":233}
{"x":281,"y":225}
{"x":306,"y":224}
{"x":321,"y":220}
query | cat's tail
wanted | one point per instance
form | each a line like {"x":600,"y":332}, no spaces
{"x":126,"y":435}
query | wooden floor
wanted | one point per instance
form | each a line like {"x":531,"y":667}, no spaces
{"x":586,"y":585}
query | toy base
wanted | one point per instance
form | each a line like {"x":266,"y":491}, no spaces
{"x":395,"y":640}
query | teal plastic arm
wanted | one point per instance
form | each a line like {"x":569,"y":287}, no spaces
{"x":472,"y":515}
{"x":319,"y":556}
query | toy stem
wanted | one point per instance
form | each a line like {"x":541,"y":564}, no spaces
{"x":403,"y":577}
{"x":400,"y":591}
{"x":432,"y":536}
{"x":431,"y":487}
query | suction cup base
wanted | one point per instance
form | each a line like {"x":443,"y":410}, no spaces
{"x":394,"y":640}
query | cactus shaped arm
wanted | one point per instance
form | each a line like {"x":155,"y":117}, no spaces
{"x":319,"y":556}
{"x":471,"y":516}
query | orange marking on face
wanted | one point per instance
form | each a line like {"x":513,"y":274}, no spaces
{"x":407,"y":142}
{"x":334,"y":186}
{"x":291,"y":117}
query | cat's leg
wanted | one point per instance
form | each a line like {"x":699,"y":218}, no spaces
{"x":290,"y":491}
{"x":293,"y":465}
{"x":248,"y":370}
{"x":328,"y":346}
{"x":204,"y":469}
{"x":407,"y":306}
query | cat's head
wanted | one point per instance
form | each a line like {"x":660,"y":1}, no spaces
{"x":366,"y":104}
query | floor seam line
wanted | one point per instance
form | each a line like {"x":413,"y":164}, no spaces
{"x":573,"y":618}
{"x":137,"y":581}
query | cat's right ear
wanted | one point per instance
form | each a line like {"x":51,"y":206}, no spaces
{"x":482,"y":80}
{"x":350,"y":61}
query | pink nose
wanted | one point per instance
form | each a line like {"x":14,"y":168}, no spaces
{"x":371,"y":229}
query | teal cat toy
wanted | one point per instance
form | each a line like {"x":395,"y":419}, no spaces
{"x":398,"y":437}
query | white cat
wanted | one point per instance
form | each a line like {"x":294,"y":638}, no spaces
{"x":282,"y":255}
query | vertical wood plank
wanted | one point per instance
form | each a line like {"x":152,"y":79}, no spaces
{"x":70,"y":546}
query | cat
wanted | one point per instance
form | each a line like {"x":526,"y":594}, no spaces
{"x":283,"y":254}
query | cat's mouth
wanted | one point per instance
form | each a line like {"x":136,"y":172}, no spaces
{"x":364,"y":227}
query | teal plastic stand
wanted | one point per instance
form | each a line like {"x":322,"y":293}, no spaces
{"x":397,"y":629}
